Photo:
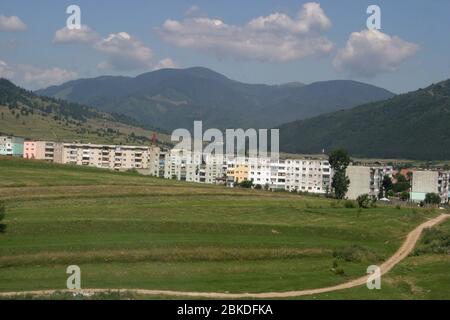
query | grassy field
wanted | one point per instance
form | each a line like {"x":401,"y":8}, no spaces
{"x":130,"y":231}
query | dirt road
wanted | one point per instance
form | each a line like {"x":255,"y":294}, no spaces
{"x":406,"y":248}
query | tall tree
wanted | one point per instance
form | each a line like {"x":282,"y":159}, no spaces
{"x":339,"y":161}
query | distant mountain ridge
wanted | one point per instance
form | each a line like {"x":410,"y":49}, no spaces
{"x":415,"y":126}
{"x":25,"y":114}
{"x":174,"y":98}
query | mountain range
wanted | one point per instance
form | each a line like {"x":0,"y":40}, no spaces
{"x":174,"y":98}
{"x":415,"y":125}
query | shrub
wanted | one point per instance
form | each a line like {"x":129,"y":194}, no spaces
{"x":349,"y":204}
{"x":404,"y":196}
{"x":432,"y":198}
{"x":364,"y":201}
{"x":435,"y":241}
{"x":247,"y":184}
{"x":355,"y":253}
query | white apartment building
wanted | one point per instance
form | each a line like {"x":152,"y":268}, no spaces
{"x":259,"y":172}
{"x":157,"y":161}
{"x":106,"y":156}
{"x":424,"y":182}
{"x":308,"y":175}
{"x":194,"y":167}
{"x":366,"y":180}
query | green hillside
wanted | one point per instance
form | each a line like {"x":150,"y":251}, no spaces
{"x":410,"y":126}
{"x":25,"y":114}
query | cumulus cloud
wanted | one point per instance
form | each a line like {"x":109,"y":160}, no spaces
{"x":34,"y":77}
{"x":12,"y":23}
{"x":166,"y":63}
{"x":276,"y":37}
{"x":370,"y":52}
{"x":124,"y":52}
{"x":40,"y":77}
{"x":5,"y":70}
{"x":121,"y":50}
{"x":83,"y":35}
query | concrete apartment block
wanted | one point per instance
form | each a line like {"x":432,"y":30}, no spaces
{"x":106,"y":156}
{"x":424,"y":182}
{"x":42,"y":150}
{"x":359,"y":177}
{"x":366,"y":180}
{"x":308,"y":175}
{"x":11,"y":146}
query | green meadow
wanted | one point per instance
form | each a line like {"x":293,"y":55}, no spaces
{"x":130,"y":231}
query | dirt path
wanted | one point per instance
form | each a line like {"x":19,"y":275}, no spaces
{"x":406,"y":248}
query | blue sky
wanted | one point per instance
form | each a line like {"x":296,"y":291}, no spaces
{"x":411,"y":50}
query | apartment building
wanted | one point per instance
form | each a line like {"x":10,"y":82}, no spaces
{"x":366,"y":180}
{"x":157,"y":161}
{"x":308,"y":175}
{"x":11,"y":146}
{"x":424,"y":182}
{"x":237,"y":171}
{"x":43,"y":150}
{"x":106,"y":156}
{"x":260,"y":171}
{"x":194,"y":167}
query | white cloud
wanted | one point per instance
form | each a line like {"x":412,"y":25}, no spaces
{"x":83,"y":35}
{"x":33,"y":77}
{"x":124,"y":52}
{"x":371,"y":52}
{"x":166,"y":63}
{"x":40,"y":77}
{"x":193,"y":11}
{"x":11,"y":23}
{"x":311,"y":17}
{"x":5,"y":70}
{"x":276,"y":37}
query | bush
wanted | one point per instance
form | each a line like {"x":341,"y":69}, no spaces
{"x":364,"y":201}
{"x":434,"y":241}
{"x":349,"y":204}
{"x":404,"y":196}
{"x":355,"y":253}
{"x":432,"y":198}
{"x":247,"y":184}
{"x":258,"y":187}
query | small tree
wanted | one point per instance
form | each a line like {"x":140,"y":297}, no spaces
{"x":340,"y":184}
{"x":364,"y":201}
{"x":2,"y":216}
{"x":387,"y":185}
{"x":432,"y":198}
{"x":404,"y":196}
{"x":339,"y":161}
